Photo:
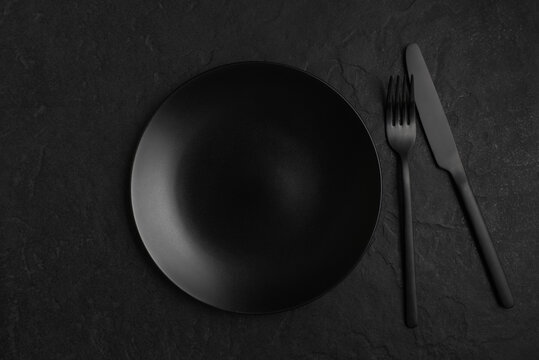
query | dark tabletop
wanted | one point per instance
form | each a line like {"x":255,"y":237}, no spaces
{"x":80,"y":79}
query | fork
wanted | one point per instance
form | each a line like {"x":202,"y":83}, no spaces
{"x":400,"y":118}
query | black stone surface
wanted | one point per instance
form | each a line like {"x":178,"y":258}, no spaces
{"x":80,"y":79}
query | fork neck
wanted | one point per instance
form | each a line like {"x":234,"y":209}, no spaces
{"x":404,"y":157}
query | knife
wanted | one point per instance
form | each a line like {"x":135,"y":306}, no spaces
{"x":445,"y":152}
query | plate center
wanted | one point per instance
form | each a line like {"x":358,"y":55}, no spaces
{"x":249,"y":187}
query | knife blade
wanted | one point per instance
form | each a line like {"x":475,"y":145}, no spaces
{"x":442,"y":144}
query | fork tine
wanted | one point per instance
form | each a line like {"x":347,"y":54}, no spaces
{"x":411,"y":105}
{"x":404,"y":103}
{"x":405,"y":100}
{"x":412,"y":95}
{"x":397,"y":114}
{"x":404,"y":89}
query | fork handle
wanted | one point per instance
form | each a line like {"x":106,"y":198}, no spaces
{"x":408,"y":232}
{"x":492,"y":263}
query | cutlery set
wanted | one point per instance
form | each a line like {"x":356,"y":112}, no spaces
{"x":418,"y":91}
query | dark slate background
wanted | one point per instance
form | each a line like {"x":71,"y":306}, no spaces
{"x":80,"y":79}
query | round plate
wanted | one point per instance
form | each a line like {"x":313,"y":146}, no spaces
{"x":256,"y":187}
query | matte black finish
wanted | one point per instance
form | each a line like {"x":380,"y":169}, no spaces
{"x":256,"y":187}
{"x":400,"y":120}
{"x":445,"y":152}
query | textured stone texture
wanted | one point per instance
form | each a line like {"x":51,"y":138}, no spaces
{"x":80,"y":79}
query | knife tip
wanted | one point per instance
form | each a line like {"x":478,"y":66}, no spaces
{"x":412,"y":46}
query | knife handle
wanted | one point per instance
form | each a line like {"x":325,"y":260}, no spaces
{"x":408,"y":235}
{"x":494,"y":268}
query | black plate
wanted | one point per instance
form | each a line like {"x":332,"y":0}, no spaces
{"x":256,"y":187}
